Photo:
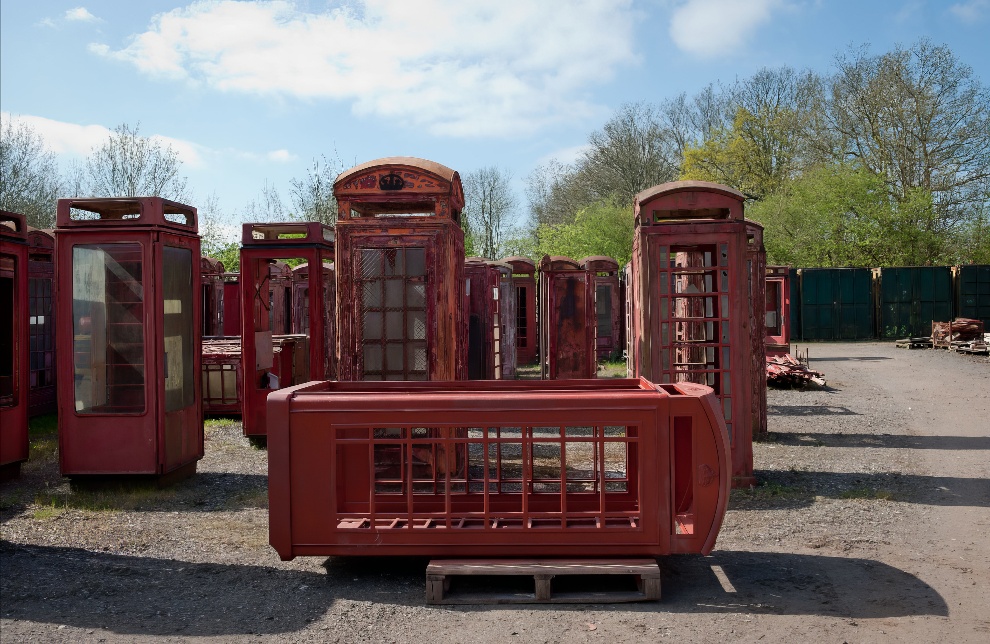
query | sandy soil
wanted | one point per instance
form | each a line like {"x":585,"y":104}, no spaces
{"x":869,"y":525}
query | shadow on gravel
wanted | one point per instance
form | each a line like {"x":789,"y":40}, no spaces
{"x":809,"y":410}
{"x":203,"y":492}
{"x":851,"y":359}
{"x":794,"y":584}
{"x":142,"y":595}
{"x":891,"y":441}
{"x":776,"y":489}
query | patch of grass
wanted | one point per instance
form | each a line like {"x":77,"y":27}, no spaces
{"x":48,"y":511}
{"x":256,"y":498}
{"x":109,"y":497}
{"x":867,"y":493}
{"x":42,"y":438}
{"x":772,"y":490}
{"x":612,"y":369}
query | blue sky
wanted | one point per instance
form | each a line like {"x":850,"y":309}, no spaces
{"x":253,"y":91}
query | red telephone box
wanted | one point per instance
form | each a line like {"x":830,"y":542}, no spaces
{"x":128,"y":280}
{"x":567,"y":320}
{"x":604,"y":272}
{"x":231,"y":305}
{"x":778,"y":311}
{"x":211,"y":292}
{"x":505,"y":334}
{"x":484,"y":325}
{"x":270,"y":357}
{"x":13,"y":343}
{"x":524,"y":282}
{"x":400,"y":270}
{"x":692,"y":300}
{"x":41,"y":301}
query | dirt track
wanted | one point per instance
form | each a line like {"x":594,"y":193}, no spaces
{"x":869,"y":525}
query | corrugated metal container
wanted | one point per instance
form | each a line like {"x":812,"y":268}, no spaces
{"x":910,"y":298}
{"x":973,"y":288}
{"x":836,"y":304}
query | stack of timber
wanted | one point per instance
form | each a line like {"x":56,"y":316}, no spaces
{"x":960,"y":330}
{"x":980,"y":346}
{"x":787,"y":372}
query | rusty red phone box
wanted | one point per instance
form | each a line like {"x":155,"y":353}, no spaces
{"x":231,"y":305}
{"x":778,"y":310}
{"x":129,"y":327}
{"x":496,"y":468}
{"x":400,"y":272}
{"x":41,"y":302}
{"x":567,"y":320}
{"x":211,"y":293}
{"x":14,"y":354}
{"x":691,"y":273}
{"x":505,"y":334}
{"x":267,"y":309}
{"x":527,"y":333}
{"x":604,"y":273}
{"x":484,"y":355}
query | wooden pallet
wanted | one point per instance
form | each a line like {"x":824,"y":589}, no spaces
{"x":645,"y":573}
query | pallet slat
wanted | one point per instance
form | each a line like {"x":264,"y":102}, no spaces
{"x":439,"y":574}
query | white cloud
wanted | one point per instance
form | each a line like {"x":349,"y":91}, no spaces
{"x":456,"y":68}
{"x":80,"y":14}
{"x":972,"y":10}
{"x":77,"y":140}
{"x":281,"y":156}
{"x":714,"y":28}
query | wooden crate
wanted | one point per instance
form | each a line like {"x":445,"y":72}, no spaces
{"x":645,"y":572}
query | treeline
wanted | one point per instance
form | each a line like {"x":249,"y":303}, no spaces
{"x":883,"y":161}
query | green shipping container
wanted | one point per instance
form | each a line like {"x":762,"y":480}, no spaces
{"x":973,"y":284}
{"x":836,"y":304}
{"x":911,"y":298}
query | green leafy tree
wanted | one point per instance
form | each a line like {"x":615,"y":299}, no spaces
{"x":604,"y":228}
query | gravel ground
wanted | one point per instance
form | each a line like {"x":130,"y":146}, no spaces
{"x":868,"y":524}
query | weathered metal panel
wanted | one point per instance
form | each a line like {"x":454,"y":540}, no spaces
{"x":14,"y":343}
{"x":837,"y":304}
{"x":505,"y":336}
{"x":211,"y":296}
{"x":756,"y":266}
{"x":973,"y":288}
{"x":911,"y":298}
{"x":128,"y":283}
{"x":496,"y":468}
{"x":484,"y":324}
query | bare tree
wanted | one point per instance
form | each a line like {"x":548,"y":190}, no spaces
{"x":312,"y":196}
{"x":489,"y":209}
{"x":267,"y":208}
{"x":920,"y":118}
{"x":130,"y":165}
{"x":29,"y":179}
{"x":633,"y":151}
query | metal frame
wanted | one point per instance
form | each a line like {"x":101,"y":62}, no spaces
{"x":496,"y":469}
{"x":506,"y":332}
{"x":14,"y":385}
{"x":484,"y":328}
{"x":132,"y":431}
